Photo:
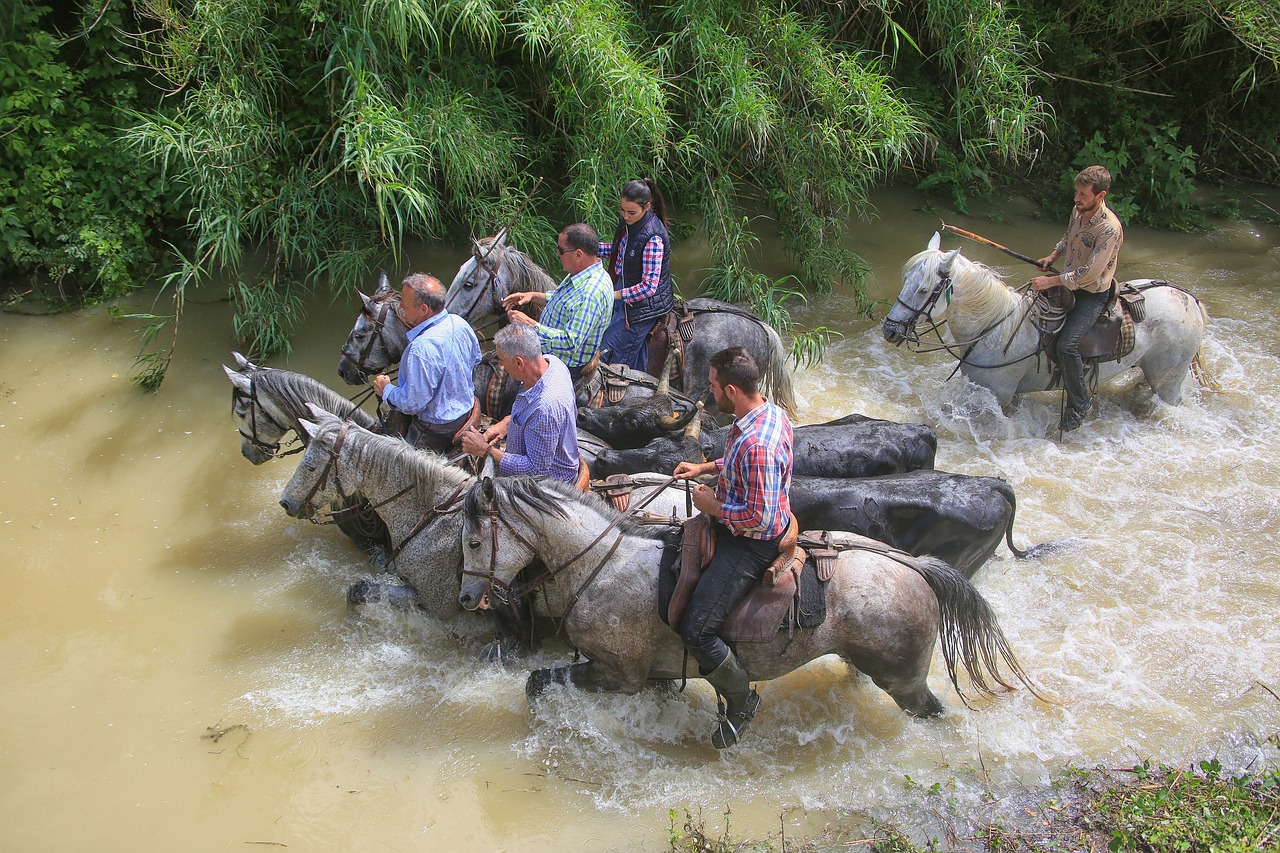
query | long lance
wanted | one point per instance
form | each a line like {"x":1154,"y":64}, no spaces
{"x":978,"y":238}
{"x":502,"y":232}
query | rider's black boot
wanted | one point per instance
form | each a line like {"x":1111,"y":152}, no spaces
{"x":731,"y":682}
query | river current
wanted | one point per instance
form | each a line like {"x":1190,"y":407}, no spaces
{"x":180,"y":667}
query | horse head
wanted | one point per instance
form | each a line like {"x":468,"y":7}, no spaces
{"x":316,"y":481}
{"x":495,"y":539}
{"x":261,"y":430}
{"x":378,"y":338}
{"x":482,"y":281}
{"x":926,"y":292}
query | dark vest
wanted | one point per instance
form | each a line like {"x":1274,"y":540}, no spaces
{"x":638,"y":236}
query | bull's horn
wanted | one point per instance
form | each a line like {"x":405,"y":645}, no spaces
{"x":694,"y":429}
{"x":675,"y":422}
{"x":664,"y":379}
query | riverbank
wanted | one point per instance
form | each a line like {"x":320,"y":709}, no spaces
{"x":1142,"y":808}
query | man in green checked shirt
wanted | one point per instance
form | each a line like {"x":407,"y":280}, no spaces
{"x":575,"y":314}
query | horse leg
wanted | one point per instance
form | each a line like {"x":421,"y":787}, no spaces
{"x":593,"y":675}
{"x":906,"y":684}
{"x":367,"y":591}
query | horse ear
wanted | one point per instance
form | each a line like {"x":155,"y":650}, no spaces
{"x":238,"y":379}
{"x":384,"y":286}
{"x":935,"y":243}
{"x":242,"y":362}
{"x":486,"y":489}
{"x":322,"y":416}
{"x":367,"y":301}
{"x":944,"y":268}
{"x":308,"y":429}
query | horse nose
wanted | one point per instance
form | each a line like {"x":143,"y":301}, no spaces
{"x":892,"y":331}
{"x":290,"y":507}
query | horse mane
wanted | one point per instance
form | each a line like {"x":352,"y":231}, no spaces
{"x":295,"y":390}
{"x":386,"y":457}
{"x":987,"y":299}
{"x":524,"y":274}
{"x":527,"y":496}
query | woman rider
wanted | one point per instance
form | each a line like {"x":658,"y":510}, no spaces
{"x":640,"y":265}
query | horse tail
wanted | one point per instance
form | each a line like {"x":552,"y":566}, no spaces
{"x":777,"y":379}
{"x":969,"y":631}
{"x":1203,"y":373}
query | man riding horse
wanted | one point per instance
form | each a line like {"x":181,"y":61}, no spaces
{"x":752,"y":505}
{"x":1092,"y":248}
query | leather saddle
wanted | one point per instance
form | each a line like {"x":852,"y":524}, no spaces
{"x":674,"y":328}
{"x":1112,"y":336}
{"x":760,"y":615}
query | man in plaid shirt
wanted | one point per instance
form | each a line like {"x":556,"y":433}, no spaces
{"x":752,"y":505}
{"x":577,"y":312}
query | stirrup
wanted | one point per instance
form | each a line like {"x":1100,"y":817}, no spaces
{"x":726,"y":733}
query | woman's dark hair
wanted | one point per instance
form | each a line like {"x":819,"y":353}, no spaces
{"x":644,"y":191}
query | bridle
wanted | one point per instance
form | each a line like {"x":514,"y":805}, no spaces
{"x":490,"y":263}
{"x":273,"y":450}
{"x":379,"y":321}
{"x":449,"y":505}
{"x":942,"y":290}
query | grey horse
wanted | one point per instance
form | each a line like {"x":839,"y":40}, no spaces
{"x":415,"y":492}
{"x":269,"y":404}
{"x":886,"y":610}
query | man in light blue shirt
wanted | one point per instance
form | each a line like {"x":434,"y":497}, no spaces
{"x":436,"y":386}
{"x":577,"y":312}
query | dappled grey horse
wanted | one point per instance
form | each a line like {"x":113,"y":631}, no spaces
{"x":997,"y":344}
{"x":417,"y":494}
{"x":269,"y":404}
{"x":885,"y":610}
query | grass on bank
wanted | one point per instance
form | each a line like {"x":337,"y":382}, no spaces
{"x":1155,"y":810}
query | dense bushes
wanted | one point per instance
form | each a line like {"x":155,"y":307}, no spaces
{"x":304,"y":141}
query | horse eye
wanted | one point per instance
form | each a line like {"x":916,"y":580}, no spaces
{"x":473,"y":543}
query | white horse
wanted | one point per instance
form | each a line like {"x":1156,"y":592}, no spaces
{"x":994,"y":338}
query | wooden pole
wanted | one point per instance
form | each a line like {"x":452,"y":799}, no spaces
{"x":978,"y":238}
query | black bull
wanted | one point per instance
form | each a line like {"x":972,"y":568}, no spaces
{"x":852,"y":446}
{"x":955,"y":517}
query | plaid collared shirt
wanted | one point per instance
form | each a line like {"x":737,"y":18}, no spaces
{"x":576,"y":316}
{"x":650,"y":266}
{"x":1090,"y":250}
{"x":543,"y":436}
{"x":755,"y":474}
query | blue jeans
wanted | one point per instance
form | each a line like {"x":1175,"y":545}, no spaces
{"x":1087,"y":310}
{"x":622,"y":345}
{"x":738,"y":563}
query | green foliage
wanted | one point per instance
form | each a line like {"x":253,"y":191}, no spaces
{"x":76,"y":208}
{"x":1152,"y":176}
{"x":1186,"y":810}
{"x":960,"y":178}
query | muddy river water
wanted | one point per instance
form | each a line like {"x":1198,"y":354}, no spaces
{"x":180,"y":670}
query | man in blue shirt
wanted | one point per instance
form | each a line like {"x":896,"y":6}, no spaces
{"x":436,"y":387}
{"x":542,"y":429}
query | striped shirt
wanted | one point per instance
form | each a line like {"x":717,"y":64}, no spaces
{"x":651,"y":266}
{"x":543,"y":435}
{"x":576,"y":316}
{"x":755,"y":474}
{"x":436,"y":385}
{"x":1090,"y":250}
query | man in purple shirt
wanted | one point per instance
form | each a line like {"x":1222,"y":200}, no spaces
{"x":542,"y":429}
{"x":436,"y":386}
{"x":752,"y":509}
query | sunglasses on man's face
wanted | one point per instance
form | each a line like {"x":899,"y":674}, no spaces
{"x":562,"y":251}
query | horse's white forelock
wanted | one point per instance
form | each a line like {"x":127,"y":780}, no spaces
{"x":984,"y":295}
